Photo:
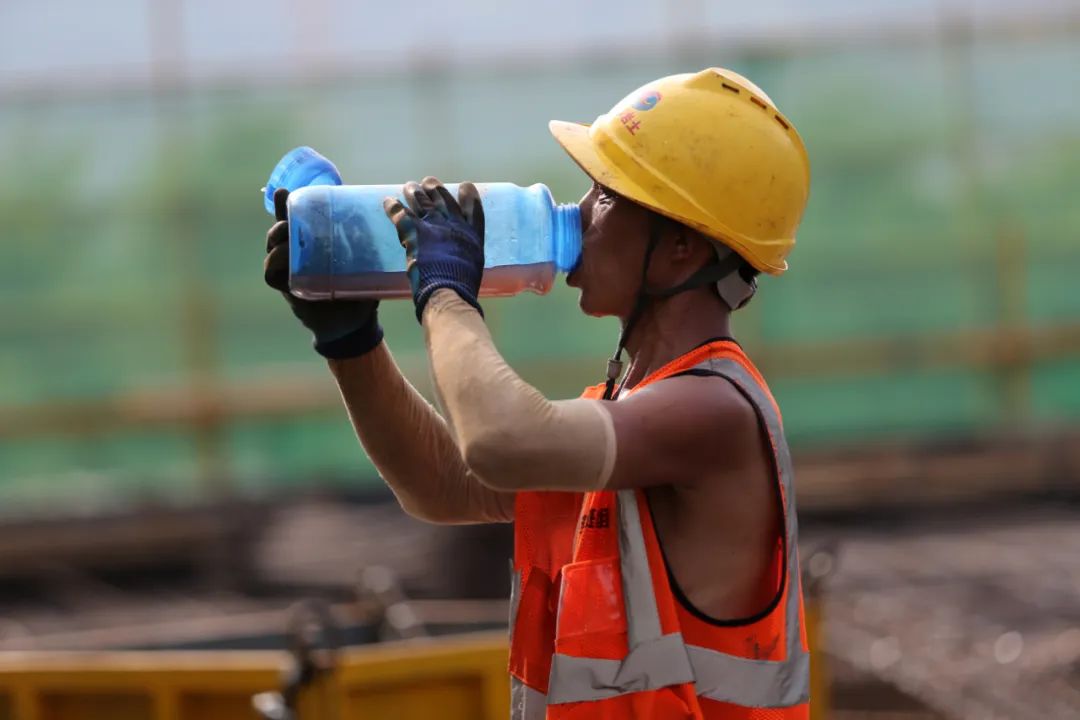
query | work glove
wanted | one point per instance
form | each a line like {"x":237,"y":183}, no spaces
{"x":443,"y":240}
{"x":341,"y":328}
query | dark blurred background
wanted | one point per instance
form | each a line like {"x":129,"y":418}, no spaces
{"x":173,"y":454}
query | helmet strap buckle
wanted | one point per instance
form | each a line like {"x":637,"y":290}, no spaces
{"x":614,"y":368}
{"x":736,"y":288}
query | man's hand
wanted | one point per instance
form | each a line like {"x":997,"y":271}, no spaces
{"x":341,"y":328}
{"x":443,"y":240}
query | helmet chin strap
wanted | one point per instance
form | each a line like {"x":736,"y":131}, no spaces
{"x":615,"y":362}
{"x":733,"y":277}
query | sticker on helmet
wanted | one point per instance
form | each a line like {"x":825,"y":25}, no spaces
{"x":647,"y":101}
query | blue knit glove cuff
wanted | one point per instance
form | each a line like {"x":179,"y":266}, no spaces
{"x":353,"y":344}
{"x":460,"y":277}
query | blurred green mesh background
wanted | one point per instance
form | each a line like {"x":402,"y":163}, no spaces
{"x":128,"y":219}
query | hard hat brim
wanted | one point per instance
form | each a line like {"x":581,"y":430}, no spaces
{"x":574,"y":139}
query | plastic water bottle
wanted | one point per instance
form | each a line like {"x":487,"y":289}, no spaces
{"x":342,"y":245}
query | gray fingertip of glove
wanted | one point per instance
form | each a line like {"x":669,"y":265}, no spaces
{"x":276,"y":269}
{"x":440,"y":197}
{"x":417,"y":198}
{"x":281,"y":208}
{"x":471,"y":207}
{"x":404,"y":219}
{"x":276,"y":261}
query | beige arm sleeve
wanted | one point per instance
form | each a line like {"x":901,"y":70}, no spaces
{"x":411,"y":446}
{"x":511,"y":436}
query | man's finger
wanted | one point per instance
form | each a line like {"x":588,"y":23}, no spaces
{"x":281,"y":196}
{"x":471,"y":207}
{"x":277,"y":235}
{"x":417,"y":199}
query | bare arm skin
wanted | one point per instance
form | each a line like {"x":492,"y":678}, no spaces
{"x":411,"y":445}
{"x":513,"y":438}
{"x":510,"y":435}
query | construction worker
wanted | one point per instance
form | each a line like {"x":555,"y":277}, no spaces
{"x":655,"y":570}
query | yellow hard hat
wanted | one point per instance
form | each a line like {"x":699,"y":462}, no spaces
{"x":709,"y":150}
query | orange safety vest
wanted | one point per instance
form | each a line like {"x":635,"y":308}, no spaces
{"x":596,"y":630}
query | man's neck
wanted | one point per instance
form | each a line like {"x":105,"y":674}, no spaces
{"x":671,"y":328}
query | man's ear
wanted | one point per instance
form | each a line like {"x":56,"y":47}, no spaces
{"x":691,"y":246}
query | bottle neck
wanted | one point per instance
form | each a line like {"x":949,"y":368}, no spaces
{"x":566,"y":235}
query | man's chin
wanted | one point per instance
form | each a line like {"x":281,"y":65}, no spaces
{"x":584,"y":303}
{"x":587,"y":308}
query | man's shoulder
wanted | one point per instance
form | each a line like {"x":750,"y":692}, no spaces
{"x":703,"y":402}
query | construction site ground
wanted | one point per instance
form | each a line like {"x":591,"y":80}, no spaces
{"x":929,"y":612}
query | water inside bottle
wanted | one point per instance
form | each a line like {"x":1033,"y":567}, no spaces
{"x":501,"y":281}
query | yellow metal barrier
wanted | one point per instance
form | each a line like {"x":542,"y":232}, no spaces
{"x":135,"y":685}
{"x":452,"y":678}
{"x":463,"y":678}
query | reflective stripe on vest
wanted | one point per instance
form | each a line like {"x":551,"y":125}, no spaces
{"x":526,"y":703}
{"x":655,"y":660}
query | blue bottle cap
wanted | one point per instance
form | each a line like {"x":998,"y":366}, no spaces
{"x":299,"y":168}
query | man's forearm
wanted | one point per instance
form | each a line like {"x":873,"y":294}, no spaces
{"x":512,"y":437}
{"x":411,"y":445}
